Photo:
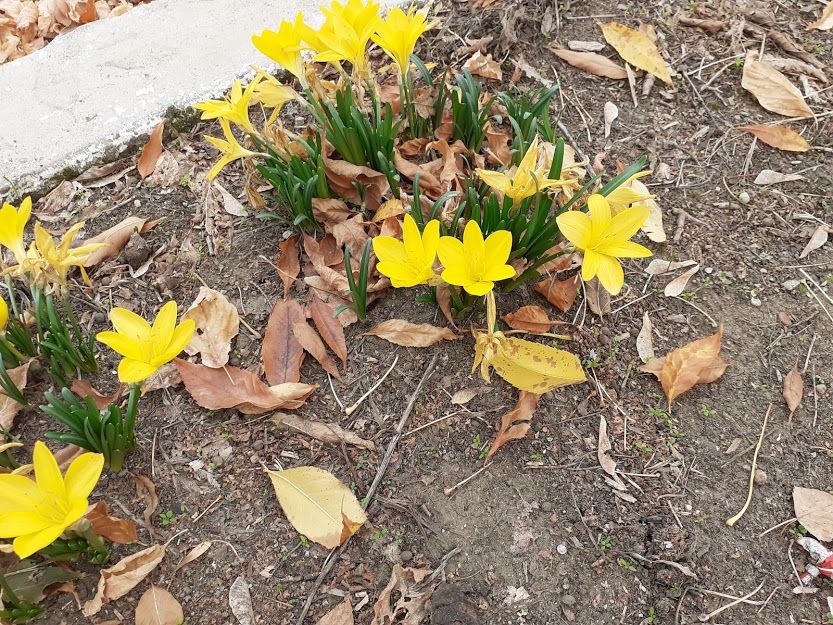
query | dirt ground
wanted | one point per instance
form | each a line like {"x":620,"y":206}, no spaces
{"x":542,"y":537}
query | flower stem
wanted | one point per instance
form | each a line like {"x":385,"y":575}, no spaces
{"x":130,"y":416}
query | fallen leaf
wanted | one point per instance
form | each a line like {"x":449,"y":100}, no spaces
{"x":515,"y":424}
{"x":8,"y":406}
{"x":591,"y":63}
{"x":289,"y":265}
{"x":465,"y":395}
{"x":158,"y":607}
{"x":529,"y":318}
{"x":84,"y":389}
{"x":58,"y":199}
{"x":793,"y":390}
{"x":102,"y":175}
{"x":318,"y":505}
{"x":560,"y":293}
{"x":780,"y":137}
{"x":658,"y":266}
{"x":772,"y":89}
{"x":166,"y":376}
{"x":324,"y":432}
{"x":231,"y":387}
{"x":598,"y":299}
{"x":342,"y":614}
{"x":586,"y":46}
{"x":678,"y":284}
{"x":65,"y":456}
{"x":312,"y":344}
{"x":768,"y":176}
{"x":697,"y":362}
{"x":412,"y":595}
{"x":429,"y":184}
{"x":116,"y":238}
{"x":818,"y":239}
{"x":611,"y":112}
{"x":602,"y":451}
{"x":825,"y":22}
{"x":391,"y":208}
{"x":231,"y":204}
{"x":29,"y":579}
{"x":814,"y":510}
{"x":217,"y":323}
{"x":146,"y":490}
{"x":653,"y":225}
{"x":645,"y":340}
{"x":329,"y":328}
{"x":195,"y":553}
{"x":346,"y":179}
{"x":484,"y":65}
{"x":124,"y":576}
{"x":282,"y":353}
{"x":407,"y":334}
{"x":637,"y":49}
{"x":499,"y":151}
{"x":151,"y":152}
{"x":534,"y":367}
{"x":115,"y":530}
{"x":240,"y":601}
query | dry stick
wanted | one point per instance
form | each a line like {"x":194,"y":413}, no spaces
{"x":450,"y":491}
{"x":731,"y":522}
{"x":351,"y":409}
{"x":775,"y":527}
{"x":380,"y":473}
{"x":706,"y":617}
{"x":815,"y":397}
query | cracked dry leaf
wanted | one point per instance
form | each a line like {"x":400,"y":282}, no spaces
{"x":342,"y":614}
{"x":240,"y":601}
{"x":772,"y":89}
{"x":560,"y":293}
{"x":407,"y":334}
{"x":637,"y":49}
{"x":818,"y":239}
{"x":484,"y":66}
{"x":645,"y":340}
{"x":411,"y":598}
{"x":779,"y":137}
{"x":217,"y":323}
{"x":591,"y":63}
{"x":124,"y":576}
{"x":825,"y":22}
{"x":814,"y":510}
{"x":324,"y":432}
{"x":158,"y":607}
{"x":318,"y":505}
{"x":678,"y":284}
{"x":514,"y":425}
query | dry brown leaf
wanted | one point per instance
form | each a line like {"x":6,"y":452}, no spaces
{"x":346,"y":179}
{"x":84,"y":389}
{"x":282,"y":353}
{"x":123,"y":577}
{"x":115,"y":530}
{"x":329,"y":328}
{"x":330,"y":211}
{"x":598,"y":299}
{"x":818,"y":239}
{"x":57,"y":200}
{"x":602,"y":451}
{"x":351,"y":234}
{"x":814,"y":510}
{"x":499,"y":151}
{"x":217,"y":323}
{"x":231,"y":204}
{"x":342,"y":614}
{"x":484,"y":65}
{"x":678,"y":284}
{"x":645,"y":340}
{"x":515,"y":424}
{"x":411,"y":597}
{"x":158,"y":607}
{"x":116,"y":238}
{"x":529,"y":318}
{"x":658,"y":266}
{"x":653,"y":225}
{"x":637,"y":49}
{"x":465,"y":395}
{"x":324,"y":432}
{"x":698,"y":362}
{"x":772,"y":89}
{"x":151,"y":151}
{"x":289,"y":265}
{"x":231,"y":387}
{"x":195,"y":553}
{"x":825,"y":21}
{"x":780,"y":137}
{"x":429,"y":184}
{"x":102,"y":175}
{"x":312,"y":344}
{"x":9,"y":407}
{"x":793,"y":390}
{"x":769,"y":176}
{"x":611,"y":112}
{"x":166,"y":376}
{"x":146,"y":489}
{"x":560,"y":293}
{"x":407,"y":334}
{"x":391,"y":208}
{"x":591,"y":63}
{"x":240,"y":601}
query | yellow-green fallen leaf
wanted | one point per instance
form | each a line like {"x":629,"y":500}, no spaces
{"x":637,"y":49}
{"x":318,"y":505}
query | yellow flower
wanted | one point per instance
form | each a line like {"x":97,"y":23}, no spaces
{"x":4,"y":315}
{"x":230,"y":148}
{"x":12,"y":223}
{"x":604,"y":240}
{"x":234,"y":108}
{"x":146,"y":348}
{"x":398,"y":34}
{"x":473,"y":263}
{"x":284,"y":47}
{"x":36,"y":512}
{"x":527,"y":179}
{"x":346,"y":32}
{"x":61,"y":257}
{"x":410,"y":261}
{"x":272,"y":94}
{"x":629,"y":192}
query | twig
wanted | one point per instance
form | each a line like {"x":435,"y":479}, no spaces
{"x":809,"y":351}
{"x":581,"y":516}
{"x":332,"y":388}
{"x":731,"y":522}
{"x":725,"y":596}
{"x":816,"y":284}
{"x":815,"y":397}
{"x":204,"y":512}
{"x":439,"y":568}
{"x":706,"y":617}
{"x":775,"y":527}
{"x":700,"y":310}
{"x":434,"y":422}
{"x":335,"y":553}
{"x":351,"y":409}
{"x":450,"y":491}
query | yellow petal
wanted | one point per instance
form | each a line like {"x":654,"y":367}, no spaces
{"x":498,"y":246}
{"x":458,"y":276}
{"x":501,"y":272}
{"x":122,"y":345}
{"x":134,"y":371}
{"x":390,"y":250}
{"x":18,"y":493}
{"x":590,"y":265}
{"x":624,"y":249}
{"x":25,"y":546}
{"x":610,"y":274}
{"x":82,"y":475}
{"x":576,"y":228}
{"x":130,"y":324}
{"x":430,"y":240}
{"x":163,"y":328}
{"x":181,"y":337}
{"x":16,"y":524}
{"x":499,"y":182}
{"x":451,"y":253}
{"x":47,"y":474}
{"x":479,"y":288}
{"x":626,"y":224}
{"x":599,"y":216}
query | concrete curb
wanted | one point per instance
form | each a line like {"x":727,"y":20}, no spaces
{"x":90,"y":93}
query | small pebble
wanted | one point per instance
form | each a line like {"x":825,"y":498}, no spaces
{"x":546,"y":506}
{"x":137,"y":203}
{"x":406,"y":556}
{"x":821,"y":389}
{"x":258,"y":445}
{"x":760,"y":477}
{"x":768,"y":221}
{"x":790,"y":285}
{"x":568,"y":600}
{"x":549,"y":395}
{"x":756,"y":301}
{"x":4,"y":188}
{"x":561,"y":549}
{"x":743,"y":197}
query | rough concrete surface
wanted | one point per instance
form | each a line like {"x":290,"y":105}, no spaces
{"x":90,"y":92}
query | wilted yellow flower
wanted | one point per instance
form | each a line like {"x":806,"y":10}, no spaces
{"x":230,"y":148}
{"x":36,"y":512}
{"x":12,"y":223}
{"x":525,"y":180}
{"x":284,"y":47}
{"x":398,"y":34}
{"x":473,"y":263}
{"x":61,"y":258}
{"x":235,"y":106}
{"x":272,"y":94}
{"x":408,"y":262}
{"x":604,"y":239}
{"x":146,"y":348}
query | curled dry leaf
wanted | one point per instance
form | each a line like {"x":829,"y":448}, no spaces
{"x":240,"y":601}
{"x":329,"y":328}
{"x":637,"y":49}
{"x":598,"y":299}
{"x":484,"y":65}
{"x":8,"y":406}
{"x":289,"y":265}
{"x":498,"y":140}
{"x":602,"y":451}
{"x":658,"y":266}
{"x":330,"y":211}
{"x":560,"y":293}
{"x":312,"y":344}
{"x":84,"y":389}
{"x":769,"y":176}
{"x":772,"y":89}
{"x":611,"y":112}
{"x":391,"y":208}
{"x":120,"y":531}
{"x":318,"y":505}
{"x":407,"y":334}
{"x":146,"y":489}
{"x":412,"y":596}
{"x":465,"y":395}
{"x":515,"y":424}
{"x":814,"y":510}
{"x":591,"y":63}
{"x":653,"y":225}
{"x":231,"y":387}
{"x":217,"y":323}
{"x":195,"y":553}
{"x":818,"y":239}
{"x":645,"y":340}
{"x":780,"y":137}
{"x":678,"y":284}
{"x":346,"y":179}
{"x":116,"y":238}
{"x":342,"y":614}
{"x":231,"y":204}
{"x":282,"y":353}
{"x":324,"y":432}
{"x":123,"y":577}
{"x":825,"y":22}
{"x":529,"y":318}
{"x":793,"y":390}
{"x":151,"y":151}
{"x":158,"y":607}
